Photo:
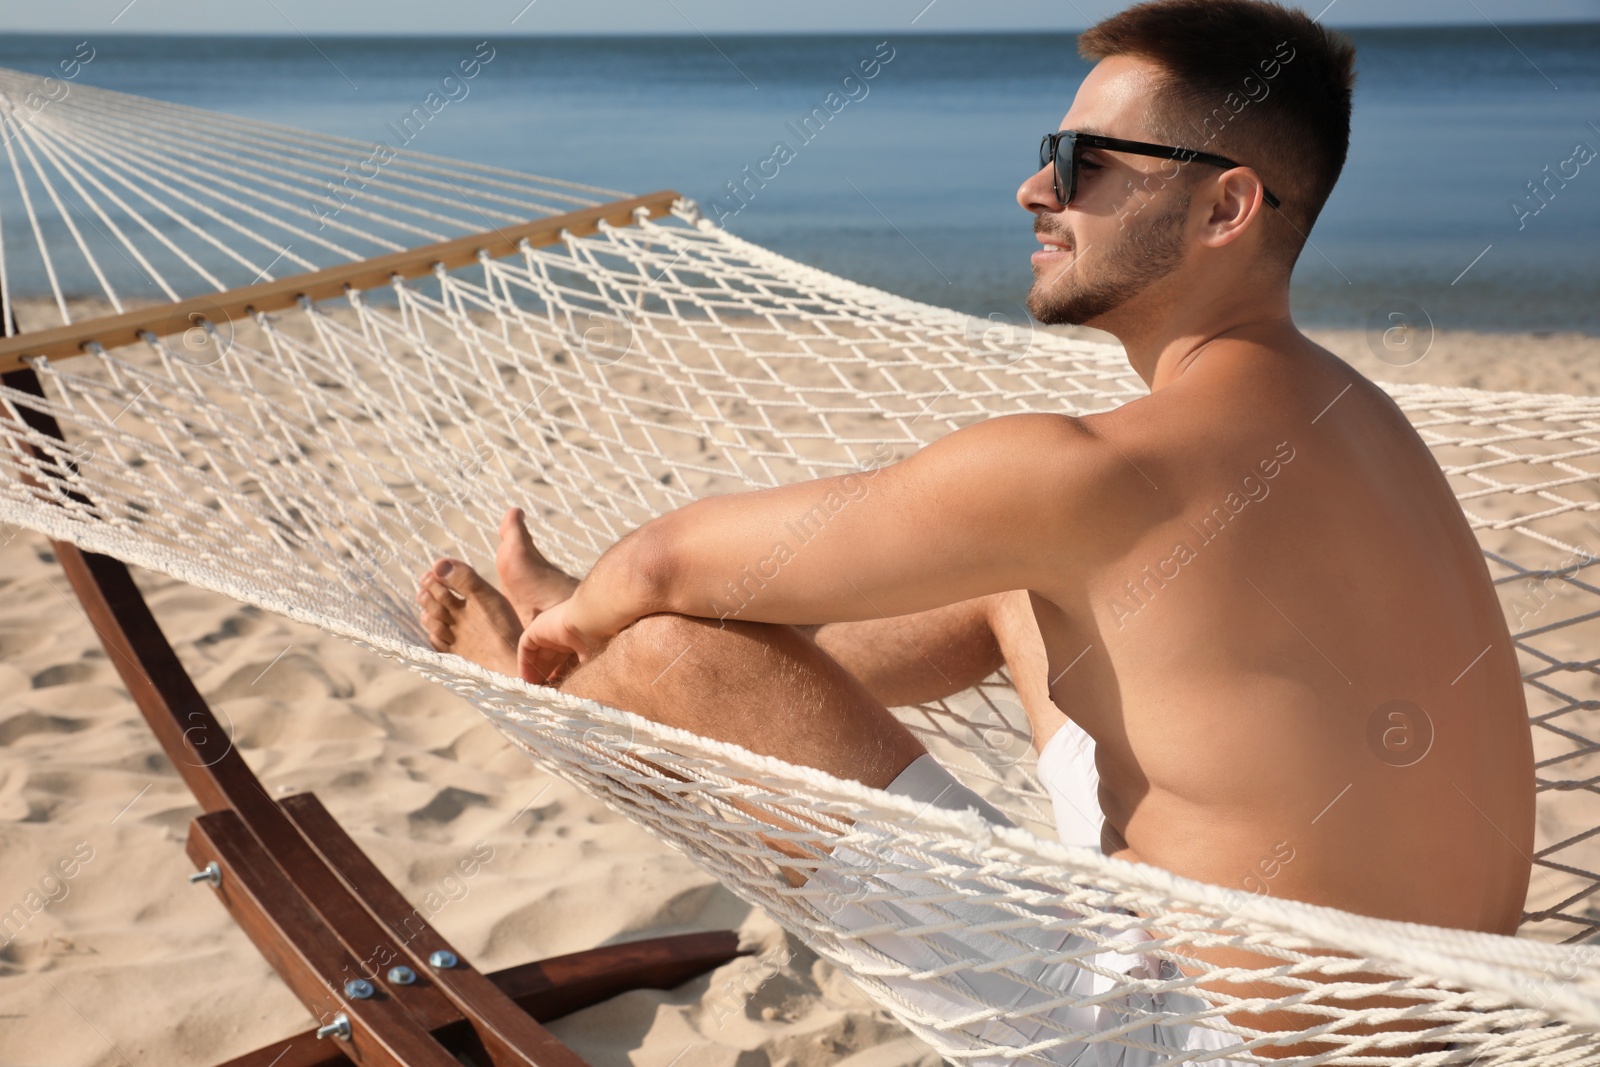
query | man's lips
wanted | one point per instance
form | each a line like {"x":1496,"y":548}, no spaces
{"x":1053,"y":249}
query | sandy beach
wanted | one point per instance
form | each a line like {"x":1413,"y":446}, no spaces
{"x":122,"y":962}
{"x":128,"y":963}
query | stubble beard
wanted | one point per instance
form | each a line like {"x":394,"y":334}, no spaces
{"x":1142,"y":256}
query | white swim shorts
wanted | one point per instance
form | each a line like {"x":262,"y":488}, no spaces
{"x":1072,"y":781}
{"x":855,"y":903}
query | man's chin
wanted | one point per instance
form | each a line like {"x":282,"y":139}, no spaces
{"x":1062,"y":312}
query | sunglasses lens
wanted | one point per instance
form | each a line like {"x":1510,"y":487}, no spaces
{"x":1057,"y":149}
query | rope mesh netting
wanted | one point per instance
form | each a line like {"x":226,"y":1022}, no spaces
{"x":313,"y":462}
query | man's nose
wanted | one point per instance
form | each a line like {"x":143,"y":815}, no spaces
{"x":1037,"y":195}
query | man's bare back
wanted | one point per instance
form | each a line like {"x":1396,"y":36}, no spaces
{"x":1253,"y":588}
{"x":1297,"y":652}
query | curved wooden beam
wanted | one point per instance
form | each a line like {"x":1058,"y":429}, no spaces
{"x":549,"y":989}
{"x":114,"y":331}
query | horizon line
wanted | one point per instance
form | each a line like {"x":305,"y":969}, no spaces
{"x":616,"y":34}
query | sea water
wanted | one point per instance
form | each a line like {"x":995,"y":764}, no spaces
{"x":910,"y":184}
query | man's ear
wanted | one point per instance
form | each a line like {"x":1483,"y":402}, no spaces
{"x":1235,"y":199}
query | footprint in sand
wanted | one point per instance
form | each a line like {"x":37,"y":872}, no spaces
{"x":290,"y":676}
{"x":446,"y":805}
{"x":15,"y":643}
{"x":63,"y":674}
{"x":32,"y":722}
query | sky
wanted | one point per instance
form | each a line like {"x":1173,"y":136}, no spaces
{"x":320,"y":17}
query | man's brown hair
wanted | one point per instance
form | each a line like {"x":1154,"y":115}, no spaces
{"x":1254,"y":81}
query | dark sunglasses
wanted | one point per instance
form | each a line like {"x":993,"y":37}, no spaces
{"x":1066,"y":163}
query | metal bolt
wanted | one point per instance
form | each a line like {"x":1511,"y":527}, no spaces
{"x":402,"y":975}
{"x":339,"y":1028}
{"x":209,"y":873}
{"x":443,"y":960}
{"x":358,"y":989}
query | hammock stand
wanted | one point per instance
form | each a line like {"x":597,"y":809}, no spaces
{"x":378,"y":978}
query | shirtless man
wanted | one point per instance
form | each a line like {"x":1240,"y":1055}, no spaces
{"x":1252,"y":588}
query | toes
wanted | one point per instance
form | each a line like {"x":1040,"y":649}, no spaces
{"x":437,"y":622}
{"x":512,"y":525}
{"x":433,"y":589}
{"x":514,"y":535}
{"x":459,"y":578}
{"x":437,"y":608}
{"x":436,"y":612}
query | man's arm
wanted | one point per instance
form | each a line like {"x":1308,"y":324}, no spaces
{"x":993,"y":507}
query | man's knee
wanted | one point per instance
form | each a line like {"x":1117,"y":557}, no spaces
{"x":657,"y":635}
{"x":687,"y":671}
{"x":668,"y":650}
{"x":643,"y":654}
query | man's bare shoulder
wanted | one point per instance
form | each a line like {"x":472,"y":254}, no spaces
{"x":1246,"y":404}
{"x":1240,"y":392}
{"x":1051,"y":447}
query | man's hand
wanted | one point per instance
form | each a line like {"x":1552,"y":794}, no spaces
{"x":549,"y":644}
{"x":600,"y":607}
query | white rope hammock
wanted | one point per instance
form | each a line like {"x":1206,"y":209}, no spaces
{"x":312,"y":462}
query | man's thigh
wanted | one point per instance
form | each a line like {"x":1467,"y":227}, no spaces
{"x":767,"y":688}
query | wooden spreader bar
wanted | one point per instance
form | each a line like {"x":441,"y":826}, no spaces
{"x":162,"y":320}
{"x":305,"y":953}
{"x":548,"y":989}
{"x":383,"y":985}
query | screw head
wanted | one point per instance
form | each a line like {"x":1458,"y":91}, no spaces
{"x":402,"y":976}
{"x":209,"y":873}
{"x":339,"y":1028}
{"x":442,"y":960}
{"x":358,"y":989}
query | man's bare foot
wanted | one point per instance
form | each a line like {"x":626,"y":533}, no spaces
{"x":531,"y":582}
{"x":466,"y":615}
